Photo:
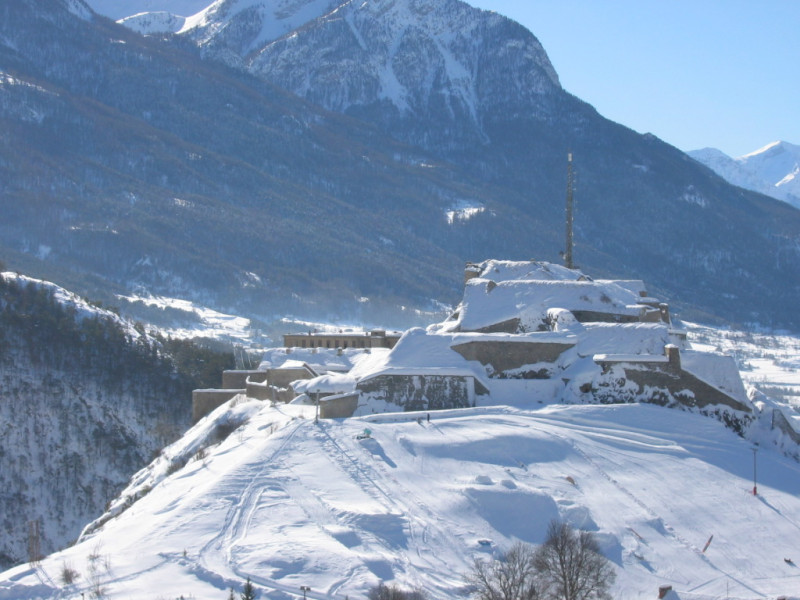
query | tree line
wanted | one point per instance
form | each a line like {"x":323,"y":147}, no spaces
{"x":53,"y":334}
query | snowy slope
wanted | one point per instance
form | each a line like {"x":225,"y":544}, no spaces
{"x":288,"y":502}
{"x":773,"y":170}
{"x":119,"y":9}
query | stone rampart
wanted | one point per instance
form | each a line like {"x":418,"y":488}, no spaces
{"x":235,"y":379}
{"x":205,"y":401}
{"x":420,"y":392}
{"x":282,"y":377}
{"x":338,"y":407}
{"x":511,"y":355}
{"x":779,"y":421}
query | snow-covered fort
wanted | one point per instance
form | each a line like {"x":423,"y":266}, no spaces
{"x":524,"y":332}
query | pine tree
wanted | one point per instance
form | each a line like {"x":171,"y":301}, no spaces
{"x":248,"y":591}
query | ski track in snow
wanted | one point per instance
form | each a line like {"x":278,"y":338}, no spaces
{"x":238,"y":517}
{"x":546,"y":426}
{"x":416,"y":501}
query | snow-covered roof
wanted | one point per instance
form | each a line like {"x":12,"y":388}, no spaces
{"x":624,"y":338}
{"x":717,"y":370}
{"x":501,"y":291}
{"x":334,"y":380}
{"x":631,"y":358}
{"x":487,"y":302}
{"x":419,"y":352}
{"x":321,"y":360}
{"x":508,"y":270}
{"x":330,"y":383}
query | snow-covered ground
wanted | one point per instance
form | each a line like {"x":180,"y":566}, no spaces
{"x":206,"y":322}
{"x":767,"y":362}
{"x":289,"y":502}
{"x":262,"y":491}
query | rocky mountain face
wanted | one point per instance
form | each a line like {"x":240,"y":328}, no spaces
{"x":773,"y":170}
{"x":343,"y":160}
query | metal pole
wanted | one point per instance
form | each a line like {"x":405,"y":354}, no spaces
{"x":755,"y":487}
{"x":305,"y":589}
{"x":568,"y":262}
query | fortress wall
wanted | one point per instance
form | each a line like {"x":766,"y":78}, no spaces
{"x":205,"y":401}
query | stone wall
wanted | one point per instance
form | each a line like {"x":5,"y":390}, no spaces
{"x":511,"y":356}
{"x":662,"y":382}
{"x":338,"y":407}
{"x":281,"y":378}
{"x":205,"y":401}
{"x":237,"y":379}
{"x":420,"y":392}
{"x":258,"y":390}
{"x":702,"y":395}
{"x":779,"y":421}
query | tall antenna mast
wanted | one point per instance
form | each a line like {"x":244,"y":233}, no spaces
{"x":570,"y":178}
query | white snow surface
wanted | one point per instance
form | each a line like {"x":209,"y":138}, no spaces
{"x":154,"y":22}
{"x":210,"y":323}
{"x":119,"y":9}
{"x":526,"y":290}
{"x":773,"y":170}
{"x":277,"y":17}
{"x":289,"y":502}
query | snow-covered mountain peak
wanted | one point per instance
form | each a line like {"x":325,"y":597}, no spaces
{"x":773,"y":170}
{"x":244,"y":26}
{"x":435,"y":61}
{"x":122,"y":9}
{"x":770,"y":149}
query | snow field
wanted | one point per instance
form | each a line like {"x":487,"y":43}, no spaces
{"x":290,"y":502}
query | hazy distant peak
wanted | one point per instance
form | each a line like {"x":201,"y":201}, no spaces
{"x":773,"y":169}
{"x":771,"y":148}
{"x":122,"y":10}
{"x":154,"y":22}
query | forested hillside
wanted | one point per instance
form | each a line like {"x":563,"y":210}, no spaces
{"x":86,"y":399}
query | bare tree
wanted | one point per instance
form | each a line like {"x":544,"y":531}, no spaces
{"x":511,"y":577}
{"x":571,"y":566}
{"x":392,"y":592}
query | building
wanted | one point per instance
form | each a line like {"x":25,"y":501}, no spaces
{"x":377,"y":338}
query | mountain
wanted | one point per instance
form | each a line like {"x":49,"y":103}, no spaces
{"x":86,"y":400}
{"x":773,"y":170}
{"x":344,"y":162}
{"x":121,"y":9}
{"x":265,"y":493}
{"x":150,"y":16}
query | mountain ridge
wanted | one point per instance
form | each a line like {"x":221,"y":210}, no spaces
{"x":148,"y":156}
{"x":773,"y":170}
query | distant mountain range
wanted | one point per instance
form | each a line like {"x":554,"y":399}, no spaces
{"x":773,"y":170}
{"x":344,"y":162}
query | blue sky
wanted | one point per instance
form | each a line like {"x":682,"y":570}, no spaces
{"x":696,"y":73}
